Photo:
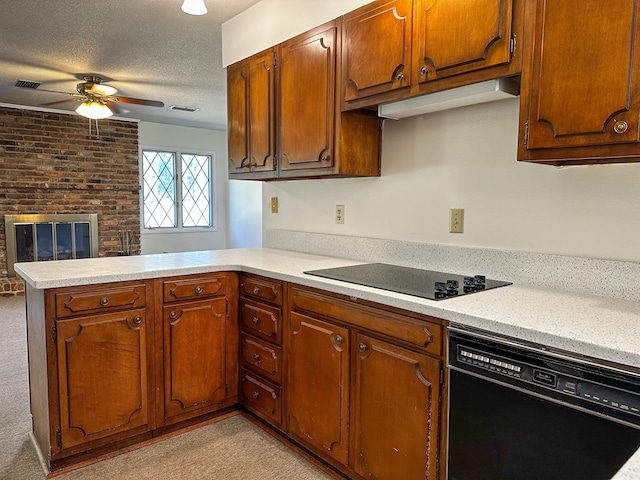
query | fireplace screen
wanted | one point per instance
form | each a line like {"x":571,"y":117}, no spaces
{"x":36,"y":238}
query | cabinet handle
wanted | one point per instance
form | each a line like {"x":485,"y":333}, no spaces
{"x":362,"y":347}
{"x":172,"y":314}
{"x":400,"y":77}
{"x":620,"y":127}
{"x":256,"y":290}
{"x":255,"y":320}
{"x":423,"y":70}
{"x":137,"y":320}
{"x":104,"y":301}
{"x":339,"y":339}
{"x":198,"y":290}
{"x":256,"y":357}
{"x":256,"y":394}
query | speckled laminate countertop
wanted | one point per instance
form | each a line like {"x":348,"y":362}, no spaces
{"x":597,"y":326}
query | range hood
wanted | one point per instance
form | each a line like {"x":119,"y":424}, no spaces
{"x":482,"y":92}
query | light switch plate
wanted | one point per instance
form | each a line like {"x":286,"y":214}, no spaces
{"x":274,"y":204}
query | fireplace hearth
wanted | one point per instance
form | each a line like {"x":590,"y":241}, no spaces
{"x":37,"y":238}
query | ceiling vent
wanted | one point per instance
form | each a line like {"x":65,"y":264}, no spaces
{"x":482,"y":92}
{"x":183,"y":109}
{"x":27,"y":84}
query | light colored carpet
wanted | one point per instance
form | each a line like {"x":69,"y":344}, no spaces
{"x":233,"y":449}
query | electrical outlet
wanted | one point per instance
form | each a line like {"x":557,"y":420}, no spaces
{"x":274,"y":204}
{"x":456,"y":220}
{"x":339,"y":213}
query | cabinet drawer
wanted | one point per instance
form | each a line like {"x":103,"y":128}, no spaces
{"x":261,"y":289}
{"x":261,"y":357}
{"x":425,"y":335}
{"x":193,"y":287}
{"x":261,"y":320}
{"x":261,"y":397}
{"x":98,"y":300}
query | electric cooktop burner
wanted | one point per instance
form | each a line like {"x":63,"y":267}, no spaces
{"x":412,"y":281}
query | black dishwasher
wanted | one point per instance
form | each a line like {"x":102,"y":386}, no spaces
{"x":518,"y":411}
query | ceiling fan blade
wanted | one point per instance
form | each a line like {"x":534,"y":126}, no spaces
{"x":116,"y":108}
{"x":139,"y":101}
{"x":67,"y":100}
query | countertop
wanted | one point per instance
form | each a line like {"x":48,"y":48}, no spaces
{"x":592,"y":325}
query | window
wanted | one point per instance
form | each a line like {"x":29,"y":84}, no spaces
{"x":176,"y":190}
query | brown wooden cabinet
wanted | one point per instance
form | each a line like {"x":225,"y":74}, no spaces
{"x":365,"y":387}
{"x":580,"y":96}
{"x":402,"y":48}
{"x":261,"y":356}
{"x":313,"y":138}
{"x":251,"y":117}
{"x":199,"y":345}
{"x":395,"y":411}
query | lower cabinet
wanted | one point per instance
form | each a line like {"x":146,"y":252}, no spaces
{"x":364,"y":387}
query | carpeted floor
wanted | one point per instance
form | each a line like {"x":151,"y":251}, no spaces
{"x":233,"y":449}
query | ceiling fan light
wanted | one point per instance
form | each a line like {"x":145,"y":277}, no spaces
{"x":194,"y":7}
{"x":94,"y":110}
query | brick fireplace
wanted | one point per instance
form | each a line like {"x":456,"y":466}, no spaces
{"x":49,"y":164}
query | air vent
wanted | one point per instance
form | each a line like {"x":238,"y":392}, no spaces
{"x":184,"y":109}
{"x":27,"y":84}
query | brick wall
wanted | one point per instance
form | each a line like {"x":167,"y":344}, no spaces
{"x":50,"y":164}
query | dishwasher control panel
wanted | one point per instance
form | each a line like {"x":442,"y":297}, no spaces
{"x":586,"y":385}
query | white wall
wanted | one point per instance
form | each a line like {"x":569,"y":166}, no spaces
{"x":465,"y":158}
{"x":270,"y":22}
{"x":194,"y":139}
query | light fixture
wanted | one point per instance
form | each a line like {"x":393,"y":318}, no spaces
{"x":94,"y":109}
{"x":194,"y":7}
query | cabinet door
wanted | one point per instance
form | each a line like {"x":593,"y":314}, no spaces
{"x":453,"y":37}
{"x":396,"y":412}
{"x":251,"y":115}
{"x":195,"y":379}
{"x":307,"y":100}
{"x":376,"y":49}
{"x":318,"y":385}
{"x":102,"y":376}
{"x":581,"y":87}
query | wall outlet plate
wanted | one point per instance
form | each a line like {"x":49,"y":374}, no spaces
{"x":456,"y":220}
{"x":274,"y":204}
{"x":340,"y":214}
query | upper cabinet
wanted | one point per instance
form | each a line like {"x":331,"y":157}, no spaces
{"x":402,"y":48}
{"x":251,"y":116}
{"x":298,"y":88}
{"x":580,"y":98}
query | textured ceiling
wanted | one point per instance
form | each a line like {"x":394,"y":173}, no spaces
{"x":146,"y":49}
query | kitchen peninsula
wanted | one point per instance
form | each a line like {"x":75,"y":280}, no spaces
{"x":139,"y":301}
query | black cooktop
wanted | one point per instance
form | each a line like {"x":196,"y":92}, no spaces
{"x":412,"y":281}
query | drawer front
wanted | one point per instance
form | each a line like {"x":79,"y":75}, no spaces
{"x":99,"y":300}
{"x":193,"y":287}
{"x":425,"y":335}
{"x":261,"y":357}
{"x":261,"y":289}
{"x":261,"y":397}
{"x":261,"y":320}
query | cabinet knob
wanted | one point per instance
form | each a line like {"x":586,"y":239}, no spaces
{"x":256,"y":290}
{"x":620,"y":127}
{"x":172,"y":314}
{"x":256,"y":357}
{"x":255,"y":320}
{"x":423,"y":70}
{"x":198,"y":290}
{"x":362,"y":347}
{"x":339,"y":339}
{"x":400,"y":77}
{"x":137,"y":320}
{"x":104,"y":301}
{"x":256,"y":394}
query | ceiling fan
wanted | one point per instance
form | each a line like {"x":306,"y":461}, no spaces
{"x":99,"y":101}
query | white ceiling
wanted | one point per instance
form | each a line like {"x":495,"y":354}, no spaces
{"x":146,"y":49}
